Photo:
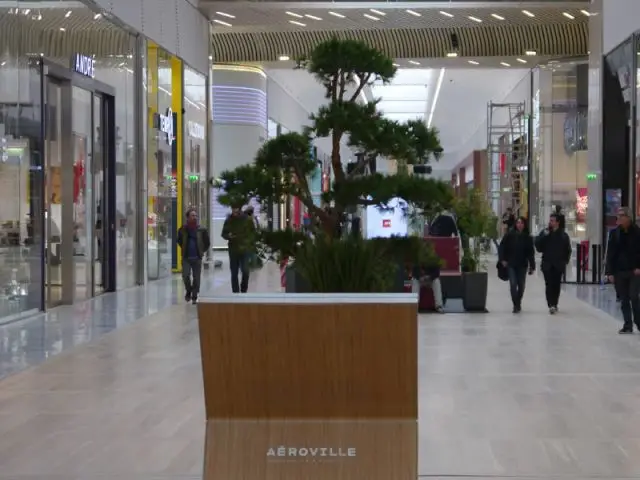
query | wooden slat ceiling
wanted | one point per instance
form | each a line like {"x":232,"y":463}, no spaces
{"x":552,"y":40}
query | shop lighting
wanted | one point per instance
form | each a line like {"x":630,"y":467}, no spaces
{"x":436,"y":96}
{"x":283,"y":58}
{"x":220,"y":22}
{"x":313,"y":17}
{"x":446,"y":14}
{"x":68,"y":14}
{"x":300,"y":24}
{"x":223,"y":14}
{"x":521,"y":60}
{"x":528,"y":13}
{"x":530,"y":53}
{"x":585,"y":13}
{"x":377,"y":12}
{"x":568,"y":15}
{"x":473,"y":62}
{"x":371,"y":17}
{"x":336,"y":14}
{"x":452,"y":54}
{"x":62,"y":29}
{"x":413,"y":62}
{"x":475,"y":19}
{"x":497,"y":17}
{"x":97,"y":16}
{"x":27,"y":11}
{"x":296,"y":15}
{"x":415,"y":14}
{"x":2,"y":64}
{"x":505,"y":64}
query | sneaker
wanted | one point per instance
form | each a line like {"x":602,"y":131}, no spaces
{"x":194,"y":299}
{"x":553,"y":310}
{"x":187,"y":297}
{"x":517,"y":309}
{"x":625,"y":331}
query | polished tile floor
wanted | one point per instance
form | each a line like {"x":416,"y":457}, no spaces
{"x":120,"y":397}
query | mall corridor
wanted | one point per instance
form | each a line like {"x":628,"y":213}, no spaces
{"x":533,"y":395}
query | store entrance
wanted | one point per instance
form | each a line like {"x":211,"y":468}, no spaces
{"x":79,"y":171}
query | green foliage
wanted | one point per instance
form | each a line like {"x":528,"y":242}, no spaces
{"x":474,"y":218}
{"x":281,"y":244}
{"x":410,"y":250}
{"x":349,"y":265}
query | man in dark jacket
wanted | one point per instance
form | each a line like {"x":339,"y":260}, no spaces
{"x":239,"y":230}
{"x":555,"y":246}
{"x":194,"y":242}
{"x":516,"y":253}
{"x":623,"y":268}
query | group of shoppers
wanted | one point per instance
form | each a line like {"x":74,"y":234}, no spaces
{"x":239,"y":229}
{"x":516,"y":254}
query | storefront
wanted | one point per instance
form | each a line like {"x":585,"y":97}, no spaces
{"x":67,"y":172}
{"x":177,"y":155}
{"x":558,"y":172}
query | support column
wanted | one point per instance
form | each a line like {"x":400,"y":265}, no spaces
{"x":239,"y":117}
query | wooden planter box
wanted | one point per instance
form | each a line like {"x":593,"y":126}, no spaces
{"x":311,"y":450}
{"x":305,"y":356}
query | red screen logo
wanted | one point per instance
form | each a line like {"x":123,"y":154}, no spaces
{"x":386,"y":223}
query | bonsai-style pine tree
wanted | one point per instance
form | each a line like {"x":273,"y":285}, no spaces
{"x":283,"y":164}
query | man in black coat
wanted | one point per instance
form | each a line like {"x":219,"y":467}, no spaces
{"x":555,"y":246}
{"x":623,"y":268}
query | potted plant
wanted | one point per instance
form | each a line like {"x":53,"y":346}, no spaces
{"x":474,"y":218}
{"x":283,"y":165}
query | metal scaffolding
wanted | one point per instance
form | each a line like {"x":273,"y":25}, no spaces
{"x":507,"y":155}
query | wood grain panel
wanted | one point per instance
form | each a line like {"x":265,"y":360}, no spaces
{"x":243,"y":450}
{"x":274,"y":361}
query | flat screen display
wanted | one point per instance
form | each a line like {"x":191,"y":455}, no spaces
{"x":388,"y":221}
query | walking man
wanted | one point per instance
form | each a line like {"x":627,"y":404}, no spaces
{"x":555,"y":246}
{"x":194,"y":242}
{"x":623,"y":268}
{"x":239,"y":230}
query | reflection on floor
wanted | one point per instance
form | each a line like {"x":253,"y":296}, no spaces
{"x":526,"y":396}
{"x":602,"y":297}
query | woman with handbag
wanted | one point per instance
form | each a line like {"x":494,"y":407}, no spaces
{"x":516,"y":254}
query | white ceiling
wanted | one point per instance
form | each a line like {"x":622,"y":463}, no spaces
{"x":264,"y":16}
{"x":458,"y":108}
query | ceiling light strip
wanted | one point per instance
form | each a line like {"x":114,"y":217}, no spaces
{"x":239,"y":68}
{"x":436,"y":96}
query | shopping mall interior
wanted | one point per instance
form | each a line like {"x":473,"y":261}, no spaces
{"x":123,"y":120}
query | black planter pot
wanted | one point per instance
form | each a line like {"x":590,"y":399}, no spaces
{"x":474,"y":291}
{"x":295,"y":283}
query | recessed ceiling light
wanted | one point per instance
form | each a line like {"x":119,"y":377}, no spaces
{"x":446,"y":14}
{"x":475,"y":19}
{"x":298,"y":23}
{"x":68,"y":14}
{"x":530,"y":53}
{"x":521,"y":60}
{"x":27,"y":11}
{"x":223,"y":14}
{"x":3,"y":64}
{"x":297,"y":15}
{"x":370,"y":17}
{"x":413,"y":62}
{"x":336,"y":14}
{"x":312,"y":17}
{"x":528,"y":13}
{"x":452,"y":54}
{"x":505,"y":64}
{"x":497,"y":17}
{"x":210,"y":57}
{"x":473,"y":62}
{"x":414,"y":13}
{"x":62,"y":29}
{"x":585,"y":13}
{"x":568,"y":15}
{"x":377,"y":12}
{"x":220,"y":22}
{"x":97,"y":16}
{"x":283,"y":58}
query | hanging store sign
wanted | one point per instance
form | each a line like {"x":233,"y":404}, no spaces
{"x":84,"y":65}
{"x":165,"y":123}
{"x":195,"y":130}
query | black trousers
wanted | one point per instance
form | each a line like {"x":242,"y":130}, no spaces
{"x":239,"y":262}
{"x":517,"y":282}
{"x":627,"y":289}
{"x":553,"y":284}
{"x":191,"y":273}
